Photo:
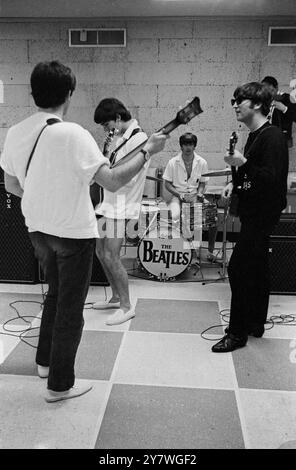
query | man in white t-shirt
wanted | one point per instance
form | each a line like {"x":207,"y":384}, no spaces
{"x":184,"y":180}
{"x":54,"y":187}
{"x":118,"y":207}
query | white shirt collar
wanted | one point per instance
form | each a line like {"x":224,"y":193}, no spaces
{"x":133,"y":125}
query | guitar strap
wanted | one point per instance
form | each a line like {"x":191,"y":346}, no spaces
{"x":49,"y":122}
{"x":114,"y":153}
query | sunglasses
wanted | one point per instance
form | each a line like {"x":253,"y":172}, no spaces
{"x":237,"y":101}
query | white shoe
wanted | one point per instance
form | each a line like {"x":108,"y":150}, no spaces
{"x":120,"y":316}
{"x":104,"y":305}
{"x":73,"y":392}
{"x":43,"y":372}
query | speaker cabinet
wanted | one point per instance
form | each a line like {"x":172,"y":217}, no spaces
{"x":282,"y":265}
{"x":17,"y":261}
{"x":98,"y":277}
{"x":286,"y":227}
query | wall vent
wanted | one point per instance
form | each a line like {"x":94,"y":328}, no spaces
{"x":282,"y":36}
{"x":99,"y":37}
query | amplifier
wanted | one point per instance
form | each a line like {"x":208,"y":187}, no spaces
{"x":18,"y":263}
{"x":282,"y":265}
{"x":286,"y":226}
{"x":98,"y":277}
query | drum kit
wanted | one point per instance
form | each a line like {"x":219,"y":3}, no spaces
{"x":166,"y":247}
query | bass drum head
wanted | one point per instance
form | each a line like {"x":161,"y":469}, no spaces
{"x":161,"y":253}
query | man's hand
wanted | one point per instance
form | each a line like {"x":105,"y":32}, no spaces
{"x":155,"y":143}
{"x":280,"y":106}
{"x":237,"y":159}
{"x":188,"y":197}
{"x":227,"y":191}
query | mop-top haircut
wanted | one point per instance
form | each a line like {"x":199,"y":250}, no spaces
{"x":109,"y":109}
{"x":51,"y":83}
{"x":257,"y":93}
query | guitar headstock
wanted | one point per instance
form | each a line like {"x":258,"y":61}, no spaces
{"x":232,"y":142}
{"x":189,"y":111}
{"x":184,"y":115}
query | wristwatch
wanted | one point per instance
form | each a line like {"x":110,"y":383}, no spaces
{"x":146,"y":155}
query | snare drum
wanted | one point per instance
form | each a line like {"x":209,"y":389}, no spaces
{"x":161,"y":253}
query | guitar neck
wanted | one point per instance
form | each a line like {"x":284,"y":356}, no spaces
{"x":233,"y":173}
{"x":129,"y":155}
{"x":172,"y":125}
{"x":165,"y":130}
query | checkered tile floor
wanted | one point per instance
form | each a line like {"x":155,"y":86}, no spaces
{"x":157,"y":385}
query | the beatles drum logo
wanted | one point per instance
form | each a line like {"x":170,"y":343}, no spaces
{"x":164,"y":255}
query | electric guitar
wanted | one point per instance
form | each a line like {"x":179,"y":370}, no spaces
{"x":233,"y":204}
{"x":96,"y":191}
{"x":183,"y":116}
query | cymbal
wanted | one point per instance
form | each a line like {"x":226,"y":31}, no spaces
{"x":224,"y":172}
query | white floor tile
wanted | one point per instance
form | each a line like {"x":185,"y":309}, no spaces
{"x":172,"y":359}
{"x":270,"y":417}
{"x":31,"y":423}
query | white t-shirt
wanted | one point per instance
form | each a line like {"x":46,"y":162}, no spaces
{"x":175,"y":172}
{"x":56,"y":197}
{"x":126,"y":202}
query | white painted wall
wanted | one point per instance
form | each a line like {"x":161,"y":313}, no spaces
{"x":166,"y":61}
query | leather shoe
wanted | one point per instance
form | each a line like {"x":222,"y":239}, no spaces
{"x":256,"y":331}
{"x":229,"y":343}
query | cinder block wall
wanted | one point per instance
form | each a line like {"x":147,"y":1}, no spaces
{"x":166,"y":62}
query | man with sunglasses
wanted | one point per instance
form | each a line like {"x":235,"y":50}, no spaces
{"x":261,"y":187}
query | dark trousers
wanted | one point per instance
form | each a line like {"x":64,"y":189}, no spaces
{"x":249,"y":279}
{"x":67,"y":265}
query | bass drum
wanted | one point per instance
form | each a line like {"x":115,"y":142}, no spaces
{"x":162,"y":253}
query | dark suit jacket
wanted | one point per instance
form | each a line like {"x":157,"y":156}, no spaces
{"x":285,"y":120}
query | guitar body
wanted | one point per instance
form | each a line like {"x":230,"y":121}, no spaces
{"x":96,"y":191}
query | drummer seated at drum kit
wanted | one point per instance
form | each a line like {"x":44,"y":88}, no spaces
{"x":184,"y":180}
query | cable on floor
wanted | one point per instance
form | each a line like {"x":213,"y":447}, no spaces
{"x":282,"y":319}
{"x":22,"y":334}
